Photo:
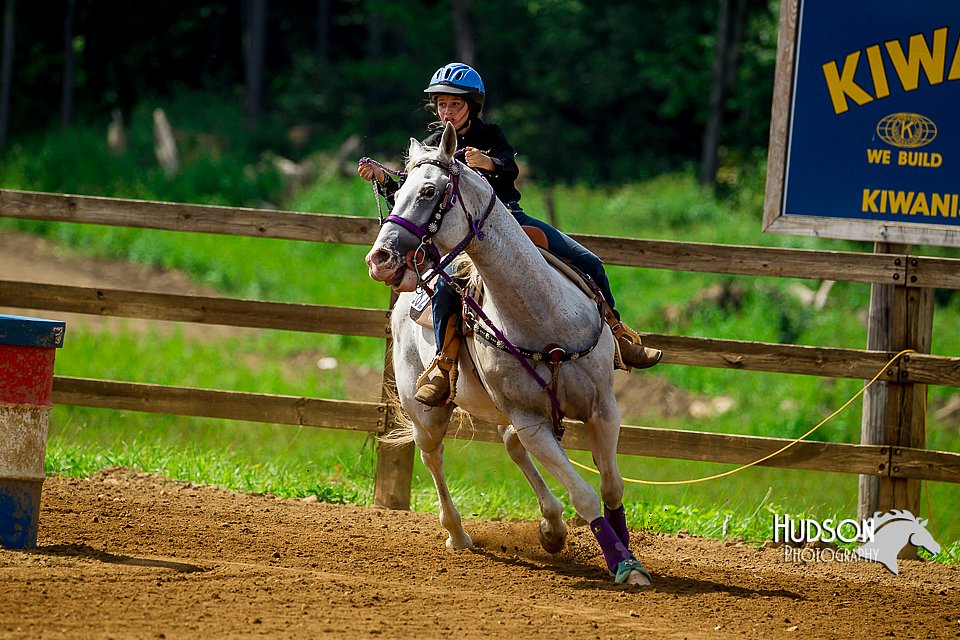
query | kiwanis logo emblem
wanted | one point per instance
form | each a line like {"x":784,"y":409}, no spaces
{"x":907,"y":130}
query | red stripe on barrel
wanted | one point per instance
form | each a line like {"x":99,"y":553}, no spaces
{"x":26,"y":375}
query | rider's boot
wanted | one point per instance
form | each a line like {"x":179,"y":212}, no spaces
{"x":633,"y":355}
{"x":437,"y":390}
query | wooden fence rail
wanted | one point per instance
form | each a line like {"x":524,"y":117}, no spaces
{"x":229,"y":405}
{"x":200,"y":309}
{"x":876,"y":460}
{"x":684,"y":350}
{"x":638,"y":441}
{"x":631,"y":252}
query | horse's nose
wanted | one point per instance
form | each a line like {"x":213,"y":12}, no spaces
{"x":378,"y":257}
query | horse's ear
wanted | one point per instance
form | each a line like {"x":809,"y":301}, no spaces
{"x":416,"y":149}
{"x":448,"y":142}
{"x":923,"y":523}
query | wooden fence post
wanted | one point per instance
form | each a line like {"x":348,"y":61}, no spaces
{"x":875,"y":398}
{"x":906,"y":402}
{"x":901,"y":317}
{"x":394,"y":475}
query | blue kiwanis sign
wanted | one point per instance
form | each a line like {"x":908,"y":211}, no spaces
{"x":865,"y":137}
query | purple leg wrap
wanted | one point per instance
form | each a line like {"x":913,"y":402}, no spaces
{"x":618,"y":520}
{"x":614,"y":551}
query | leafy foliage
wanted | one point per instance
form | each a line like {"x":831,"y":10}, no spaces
{"x":587,"y":92}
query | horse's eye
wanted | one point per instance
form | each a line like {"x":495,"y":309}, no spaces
{"x":428,"y":191}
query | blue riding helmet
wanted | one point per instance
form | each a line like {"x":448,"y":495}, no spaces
{"x":458,"y":79}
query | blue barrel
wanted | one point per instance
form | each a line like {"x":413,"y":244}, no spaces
{"x":27,"y":351}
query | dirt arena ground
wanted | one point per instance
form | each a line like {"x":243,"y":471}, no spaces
{"x":130,"y":555}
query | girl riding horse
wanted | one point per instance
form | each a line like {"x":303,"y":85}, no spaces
{"x":456,"y":93}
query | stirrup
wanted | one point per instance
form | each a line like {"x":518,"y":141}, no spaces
{"x":430,"y":390}
{"x":637,"y":356}
{"x":438,"y":390}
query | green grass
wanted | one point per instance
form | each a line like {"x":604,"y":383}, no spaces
{"x":337,"y":465}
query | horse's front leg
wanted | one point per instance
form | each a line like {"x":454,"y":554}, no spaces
{"x":449,"y":516}
{"x":552,"y":530}
{"x":603,"y":432}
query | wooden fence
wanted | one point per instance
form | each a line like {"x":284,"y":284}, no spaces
{"x":900,"y":460}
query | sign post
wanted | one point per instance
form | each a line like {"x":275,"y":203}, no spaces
{"x":865,"y":145}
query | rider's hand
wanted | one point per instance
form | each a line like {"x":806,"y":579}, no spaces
{"x":369,"y":171}
{"x":477,"y":159}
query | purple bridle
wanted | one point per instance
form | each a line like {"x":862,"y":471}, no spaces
{"x":426,"y":231}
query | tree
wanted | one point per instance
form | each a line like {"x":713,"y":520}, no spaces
{"x":254,"y":49}
{"x":69,"y":67}
{"x":323,"y":31}
{"x":6,"y":70}
{"x":730,"y":24}
{"x":465,"y":31}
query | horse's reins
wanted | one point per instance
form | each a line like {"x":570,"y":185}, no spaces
{"x":553,"y":355}
{"x":426,"y":231}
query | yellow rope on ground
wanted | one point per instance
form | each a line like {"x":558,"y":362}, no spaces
{"x":766,"y":457}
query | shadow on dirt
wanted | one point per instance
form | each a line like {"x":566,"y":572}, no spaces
{"x":88,"y":552}
{"x":592,"y":578}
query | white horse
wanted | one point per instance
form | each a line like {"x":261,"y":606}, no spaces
{"x":534,"y":306}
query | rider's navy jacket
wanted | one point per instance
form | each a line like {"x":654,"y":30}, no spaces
{"x":489,"y":138}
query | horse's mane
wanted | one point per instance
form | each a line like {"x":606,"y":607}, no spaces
{"x":464,"y":269}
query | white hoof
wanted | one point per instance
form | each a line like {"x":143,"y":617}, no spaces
{"x":638,"y":579}
{"x":552,"y":539}
{"x":462,"y":541}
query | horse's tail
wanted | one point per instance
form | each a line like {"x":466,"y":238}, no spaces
{"x":402,"y":433}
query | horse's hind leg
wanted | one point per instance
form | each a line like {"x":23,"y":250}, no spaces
{"x":603,"y":431}
{"x":552,"y":530}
